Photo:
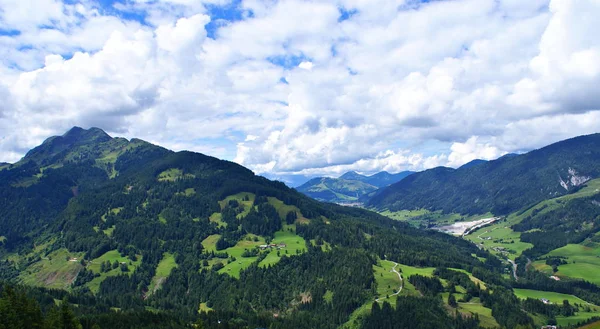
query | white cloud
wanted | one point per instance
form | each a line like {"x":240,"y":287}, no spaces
{"x":478,"y":78}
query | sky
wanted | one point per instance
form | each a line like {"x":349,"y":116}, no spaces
{"x":303,"y":88}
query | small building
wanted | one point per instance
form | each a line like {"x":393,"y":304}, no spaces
{"x":545,"y":301}
{"x":555,"y":278}
{"x":549,"y":327}
{"x":263,"y":246}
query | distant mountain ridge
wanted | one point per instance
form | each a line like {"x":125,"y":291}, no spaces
{"x":350,"y":187}
{"x":499,"y":186}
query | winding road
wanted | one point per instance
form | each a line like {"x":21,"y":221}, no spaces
{"x":401,"y":283}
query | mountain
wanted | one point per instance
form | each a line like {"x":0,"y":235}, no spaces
{"x":500,"y":186}
{"x":110,"y":223}
{"x":472,"y":163}
{"x":349,"y":187}
{"x":336,"y":190}
{"x":383,"y":179}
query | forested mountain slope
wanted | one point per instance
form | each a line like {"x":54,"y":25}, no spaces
{"x":130,"y":225}
{"x":500,"y":186}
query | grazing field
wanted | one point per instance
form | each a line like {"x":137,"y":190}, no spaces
{"x":217,"y":218}
{"x":283,"y":209}
{"x":110,"y":256}
{"x":499,"y":239}
{"x":57,"y":270}
{"x":404,"y":214}
{"x":387,"y":281}
{"x":408,"y":271}
{"x":583,"y":262}
{"x":234,"y":268}
{"x":163,"y":270}
{"x":295,"y":244}
{"x":475,"y":280}
{"x":173,"y":174}
{"x":577,"y":318}
{"x":210,"y":243}
{"x":554,"y":297}
{"x":485,"y":314}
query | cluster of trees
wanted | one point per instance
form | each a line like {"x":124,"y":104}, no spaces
{"x":416,"y":313}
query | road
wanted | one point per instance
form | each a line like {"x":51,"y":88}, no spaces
{"x":401,"y":283}
{"x":514,"y":266}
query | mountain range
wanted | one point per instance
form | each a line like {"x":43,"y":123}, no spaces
{"x":104,"y":232}
{"x":500,"y":186}
{"x":349,"y":187}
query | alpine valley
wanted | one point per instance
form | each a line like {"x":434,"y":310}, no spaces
{"x":103,"y":232}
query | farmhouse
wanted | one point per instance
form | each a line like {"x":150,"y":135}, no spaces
{"x":545,"y":301}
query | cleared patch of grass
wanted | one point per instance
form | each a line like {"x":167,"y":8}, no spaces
{"x":57,"y":270}
{"x":109,"y":231}
{"x":387,"y":281}
{"x":163,"y":270}
{"x":499,"y":235}
{"x":554,"y":297}
{"x":295,"y":245}
{"x":218,"y":219}
{"x":204,"y":308}
{"x":234,"y":268}
{"x":583,"y":262}
{"x":404,"y":214}
{"x":579,"y":317}
{"x":283,"y":209}
{"x":111,"y":257}
{"x":173,"y":174}
{"x":210,"y":243}
{"x":485,"y":314}
{"x":475,"y":280}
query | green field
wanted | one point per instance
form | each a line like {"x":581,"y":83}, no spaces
{"x":485,"y":314}
{"x":583,"y":262}
{"x":234,"y":268}
{"x":217,"y":218}
{"x":293,"y":242}
{"x":554,"y":297}
{"x":173,"y":174}
{"x":110,"y":256}
{"x":475,"y":280}
{"x":387,"y":281}
{"x":57,"y":270}
{"x":283,"y":209}
{"x":499,"y":235}
{"x":404,"y":215}
{"x":210,"y":243}
{"x":163,"y":270}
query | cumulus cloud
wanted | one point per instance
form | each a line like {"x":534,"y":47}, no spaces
{"x":304,"y":87}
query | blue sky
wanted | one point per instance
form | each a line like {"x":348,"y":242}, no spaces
{"x":294,"y":88}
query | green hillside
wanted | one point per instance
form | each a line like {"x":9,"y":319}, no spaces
{"x":126,"y":225}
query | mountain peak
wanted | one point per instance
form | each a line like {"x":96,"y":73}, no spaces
{"x":352,"y":175}
{"x":73,"y":138}
{"x":90,"y":134}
